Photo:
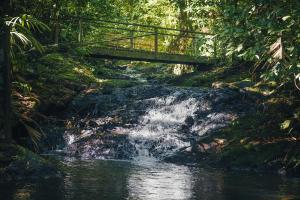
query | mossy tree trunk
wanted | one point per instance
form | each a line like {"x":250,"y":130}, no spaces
{"x":6,"y":70}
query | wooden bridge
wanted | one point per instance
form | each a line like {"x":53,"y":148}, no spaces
{"x":130,"y":41}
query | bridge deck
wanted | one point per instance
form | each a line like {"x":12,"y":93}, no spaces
{"x":139,"y":55}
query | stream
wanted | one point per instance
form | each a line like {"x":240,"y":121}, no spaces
{"x":115,"y":179}
{"x":119,"y":142}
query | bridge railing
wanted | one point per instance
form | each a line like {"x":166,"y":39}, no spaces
{"x":138,"y":37}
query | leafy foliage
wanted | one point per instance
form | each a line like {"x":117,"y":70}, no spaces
{"x":21,"y":32}
{"x":264,"y":32}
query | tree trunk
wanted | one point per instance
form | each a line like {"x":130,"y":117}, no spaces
{"x":6,"y":71}
{"x":56,"y":28}
{"x":56,"y":31}
{"x":181,"y":42}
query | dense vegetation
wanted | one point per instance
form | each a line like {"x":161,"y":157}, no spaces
{"x":258,"y":41}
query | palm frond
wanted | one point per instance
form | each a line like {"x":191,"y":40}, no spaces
{"x":22,"y":32}
{"x":33,"y":134}
{"x":33,"y":129}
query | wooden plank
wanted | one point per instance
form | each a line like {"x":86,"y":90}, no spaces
{"x":126,"y":54}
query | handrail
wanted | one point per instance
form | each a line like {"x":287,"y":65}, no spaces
{"x":133,"y":24}
{"x":165,"y":40}
{"x":128,"y":38}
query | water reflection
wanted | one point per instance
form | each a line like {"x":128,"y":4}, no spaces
{"x":152,"y":180}
{"x":97,"y":180}
{"x":160,"y":181}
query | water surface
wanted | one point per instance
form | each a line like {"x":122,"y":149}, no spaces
{"x":112,"y":179}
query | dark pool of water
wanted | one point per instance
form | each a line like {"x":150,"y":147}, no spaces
{"x":107,"y":179}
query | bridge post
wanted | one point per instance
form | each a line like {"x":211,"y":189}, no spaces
{"x":80,"y":33}
{"x":131,"y":39}
{"x":56,"y":32}
{"x":194,"y":47}
{"x":156,"y":40}
{"x":215,"y":47}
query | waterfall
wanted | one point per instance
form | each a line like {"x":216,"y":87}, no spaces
{"x":158,"y":133}
{"x":149,"y":121}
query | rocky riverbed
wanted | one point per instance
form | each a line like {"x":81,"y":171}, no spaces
{"x":156,"y":121}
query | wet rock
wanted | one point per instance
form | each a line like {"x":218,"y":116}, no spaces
{"x":102,"y":147}
{"x":282,"y":171}
{"x":22,"y":164}
{"x":121,"y":67}
{"x":155,"y":119}
{"x":189,"y":121}
{"x":218,"y":85}
{"x":92,"y":123}
{"x":244,"y":84}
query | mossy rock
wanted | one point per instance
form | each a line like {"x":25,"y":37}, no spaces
{"x":254,"y":142}
{"x":17,"y":163}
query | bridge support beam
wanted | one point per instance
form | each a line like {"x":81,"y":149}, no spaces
{"x":131,"y":39}
{"x":156,"y":40}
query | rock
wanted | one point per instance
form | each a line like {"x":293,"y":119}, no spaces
{"x":189,"y":149}
{"x":282,"y":171}
{"x":244,"y":84}
{"x":185,"y":113}
{"x":93,"y":123}
{"x":24,"y":164}
{"x":102,"y":146}
{"x":180,"y":69}
{"x":189,"y":121}
{"x":121,"y":67}
{"x":219,"y":85}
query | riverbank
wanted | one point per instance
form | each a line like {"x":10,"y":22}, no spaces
{"x":17,"y":163}
{"x":42,"y":90}
{"x":267,"y":139}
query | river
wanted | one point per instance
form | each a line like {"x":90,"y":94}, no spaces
{"x":116,"y":179}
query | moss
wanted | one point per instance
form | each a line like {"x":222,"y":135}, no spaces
{"x":119,"y":83}
{"x":15,"y":153}
{"x":105,"y":72}
{"x":207,"y":78}
{"x":257,"y":142}
{"x":53,"y":81}
{"x":20,"y":163}
{"x":60,"y":67}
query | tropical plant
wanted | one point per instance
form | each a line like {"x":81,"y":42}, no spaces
{"x":263,"y":32}
{"x":21,"y":39}
{"x":21,"y":33}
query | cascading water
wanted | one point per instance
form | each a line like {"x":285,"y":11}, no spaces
{"x":149,"y":121}
{"x":158,"y":131}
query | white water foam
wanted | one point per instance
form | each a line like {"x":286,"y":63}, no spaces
{"x":158,"y":129}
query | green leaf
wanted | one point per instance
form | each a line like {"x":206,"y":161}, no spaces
{"x":239,"y":48}
{"x":286,"y":124}
{"x":286,"y":17}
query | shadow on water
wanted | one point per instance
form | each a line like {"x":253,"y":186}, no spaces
{"x":109,"y":179}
